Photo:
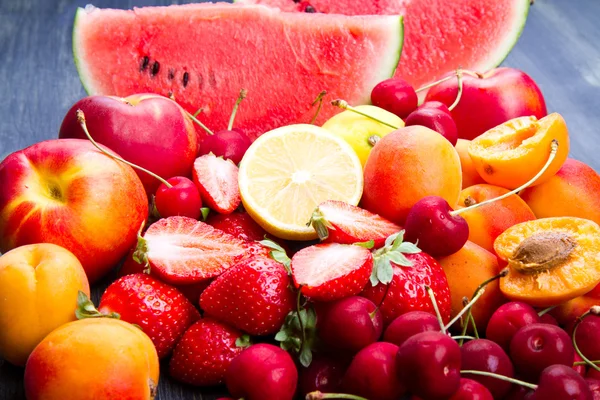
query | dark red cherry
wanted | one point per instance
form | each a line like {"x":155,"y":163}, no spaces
{"x":409,"y":324}
{"x":439,"y":233}
{"x":587,"y":337}
{"x":229,"y":144}
{"x":435,"y":119}
{"x":558,"y":382}
{"x":507,"y":320}
{"x":485,"y":355}
{"x":519,"y":392}
{"x":471,"y":390}
{"x":428,"y":364}
{"x":436,"y":105}
{"x":396,"y":96}
{"x":182,"y":198}
{"x":324,"y":374}
{"x":594,"y":385}
{"x":581,"y":368}
{"x":548,"y":319}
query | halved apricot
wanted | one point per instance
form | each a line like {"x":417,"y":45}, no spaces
{"x":512,"y":153}
{"x":550,"y":260}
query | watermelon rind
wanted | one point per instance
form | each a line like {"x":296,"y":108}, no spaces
{"x":76,"y":58}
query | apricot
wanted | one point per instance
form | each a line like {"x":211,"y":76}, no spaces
{"x":407,"y":165}
{"x":466,"y":270}
{"x":470,"y":176}
{"x":567,"y":313}
{"x":98,"y":358}
{"x":550,"y":260}
{"x":38,"y":293}
{"x":490,"y":220}
{"x":572,"y":192}
{"x":512,"y":153}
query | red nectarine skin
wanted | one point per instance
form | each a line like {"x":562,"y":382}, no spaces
{"x":68,"y":193}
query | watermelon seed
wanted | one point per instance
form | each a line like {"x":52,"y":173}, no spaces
{"x":145,"y":62}
{"x":211,"y":78}
{"x":171,"y":74}
{"x":155,"y":68}
{"x":310,"y":9}
{"x":186,"y":78}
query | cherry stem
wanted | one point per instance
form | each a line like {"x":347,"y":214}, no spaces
{"x":576,"y":363}
{"x":546,"y":310}
{"x":298,"y":308}
{"x":501,"y":377}
{"x":553,"y":151}
{"x":463,"y":337}
{"x":436,"y":309}
{"x":81,"y":119}
{"x":193,"y":118}
{"x":460,"y":89}
{"x":345,"y":106}
{"x":319,"y":100}
{"x":594,"y":310}
{"x":318,"y":396}
{"x":463,"y":71}
{"x":241,"y":97}
{"x":198,"y":111}
{"x":465,"y":308}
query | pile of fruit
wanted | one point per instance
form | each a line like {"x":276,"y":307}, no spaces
{"x":438,"y":249}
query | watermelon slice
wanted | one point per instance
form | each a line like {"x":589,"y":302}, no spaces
{"x":441,"y":35}
{"x":203,"y":54}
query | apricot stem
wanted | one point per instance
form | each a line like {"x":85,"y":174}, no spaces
{"x":316,"y":395}
{"x":319,"y":100}
{"x":465,"y":309}
{"x":594,"y":310}
{"x":345,"y":106}
{"x":81,"y":119}
{"x":501,"y":377}
{"x":240,"y":98}
{"x":553,"y":151}
{"x":436,"y":309}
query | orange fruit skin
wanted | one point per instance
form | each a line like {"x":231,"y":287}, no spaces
{"x":512,"y":153}
{"x":573,"y":192}
{"x":566,"y":313}
{"x":489,"y":221}
{"x":466,"y":270}
{"x":407,"y":165}
{"x":574,"y":276}
{"x":99,"y":358}
{"x":470,"y":176}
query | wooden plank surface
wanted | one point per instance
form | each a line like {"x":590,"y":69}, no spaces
{"x":38,"y":84}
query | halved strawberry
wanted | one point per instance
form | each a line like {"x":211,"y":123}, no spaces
{"x":254,"y":296}
{"x":217,"y":182}
{"x":331,"y":271}
{"x":340,"y":222}
{"x":181,"y":250}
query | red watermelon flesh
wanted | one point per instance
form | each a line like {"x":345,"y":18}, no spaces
{"x":440,"y":35}
{"x":203,"y":54}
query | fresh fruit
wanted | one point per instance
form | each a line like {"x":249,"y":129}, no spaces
{"x":507,"y":320}
{"x":262,"y":372}
{"x":435,"y":119}
{"x":486,"y":223}
{"x":391,"y":188}
{"x":361,"y":132}
{"x":408,"y":325}
{"x":160,"y":310}
{"x":512,"y":153}
{"x":537,"y":346}
{"x":253,"y":296}
{"x":470,"y":176}
{"x":39,"y":285}
{"x":324,"y":374}
{"x":573,"y":190}
{"x":373,"y":373}
{"x":65,"y":192}
{"x":280,"y":188}
{"x":193,"y":53}
{"x":148,"y":130}
{"x":331,"y":271}
{"x":217,"y":182}
{"x":340,"y":222}
{"x":471,"y":390}
{"x":498,"y":95}
{"x":396,"y":96}
{"x":485,"y":355}
{"x":586,"y":337}
{"x":350,"y":325}
{"x":204,"y":353}
{"x":477,"y":34}
{"x":182,"y":198}
{"x":594,"y":385}
{"x":561,"y":382}
{"x":181,"y":250}
{"x":550,"y":260}
{"x":93,"y":358}
{"x":466,"y":270}
{"x":566,"y":313}
{"x":239,"y":224}
{"x":428,"y":364}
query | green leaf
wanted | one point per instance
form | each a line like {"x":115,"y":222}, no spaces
{"x":204,"y":211}
{"x":282,"y":258}
{"x":398,"y":241}
{"x":243,"y":341}
{"x":373,"y":278}
{"x":385,"y":271}
{"x":367,"y":245}
{"x":281,"y":336}
{"x":271,"y":245}
{"x":398,"y":258}
{"x":305,"y":356}
{"x":390,"y":239}
{"x":320,"y":224}
{"x":86,"y":309}
{"x":409,"y":248}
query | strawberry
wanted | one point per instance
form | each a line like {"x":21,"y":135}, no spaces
{"x":205,"y":351}
{"x":400,"y":276}
{"x":239,"y":224}
{"x":181,"y":250}
{"x":340,"y":222}
{"x":160,"y":310}
{"x":331,"y":271}
{"x":253,"y":296}
{"x":217,"y":182}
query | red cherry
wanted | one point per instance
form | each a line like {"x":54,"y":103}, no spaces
{"x":507,"y":320}
{"x":561,"y":382}
{"x":229,"y":144}
{"x":182,"y":198}
{"x":548,"y":319}
{"x":587,"y":337}
{"x":519,"y":392}
{"x":471,"y":390}
{"x":350,"y":324}
{"x":435,"y":119}
{"x":324,"y":374}
{"x":396,"y":96}
{"x":408,"y":325}
{"x":428,"y":364}
{"x":580,"y":369}
{"x":485,"y":355}
{"x":438,"y":232}
{"x":594,"y":385}
{"x":437,"y":105}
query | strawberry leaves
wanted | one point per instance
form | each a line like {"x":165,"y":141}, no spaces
{"x":87,"y":309}
{"x":392,"y":252}
{"x":298,"y":334}
{"x":320,"y":224}
{"x":278,"y":253}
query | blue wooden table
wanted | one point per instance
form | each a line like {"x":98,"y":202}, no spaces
{"x":559,"y":48}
